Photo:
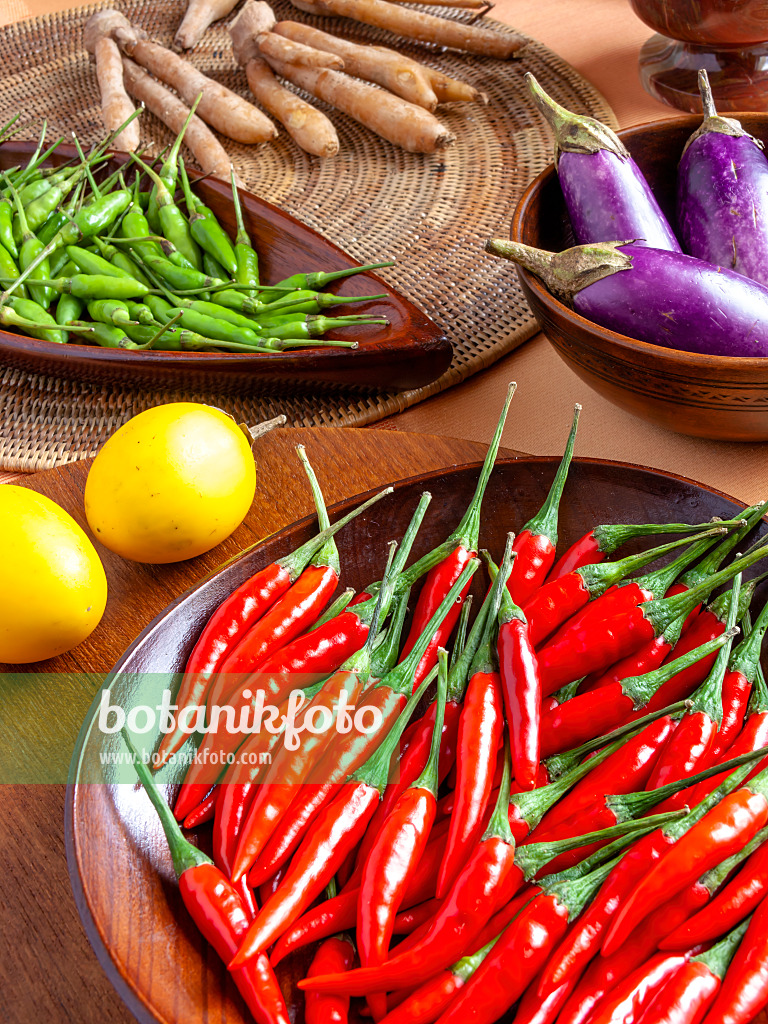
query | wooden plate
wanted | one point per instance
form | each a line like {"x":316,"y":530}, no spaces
{"x":118,"y":862}
{"x":408,"y":353}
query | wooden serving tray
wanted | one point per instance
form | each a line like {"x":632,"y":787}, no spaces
{"x":409,"y":352}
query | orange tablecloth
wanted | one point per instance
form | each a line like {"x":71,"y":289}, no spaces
{"x":601,"y":38}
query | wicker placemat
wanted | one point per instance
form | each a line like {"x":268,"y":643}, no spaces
{"x":430,"y":213}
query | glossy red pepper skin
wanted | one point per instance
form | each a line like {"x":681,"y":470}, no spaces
{"x":636,"y":993}
{"x":411,"y":765}
{"x":627,"y":770}
{"x":532,"y":1009}
{"x":340,"y":912}
{"x":744,"y":992}
{"x":737,"y":689}
{"x":645,"y":659}
{"x":535,"y":557}
{"x":286,"y":619}
{"x":436,"y":585}
{"x":480,"y":729}
{"x":342,"y":757}
{"x":586,"y":550}
{"x":454,"y":928}
{"x":732,"y":904}
{"x":583,"y":942}
{"x":686,"y":997}
{"x":204,"y":811}
{"x":512,"y":964}
{"x":753,"y":736}
{"x":521,"y":690}
{"x":553,"y":604}
{"x":605,"y":974}
{"x":387,"y":869}
{"x":687,"y":752}
{"x":228,"y":624}
{"x":723,"y":831}
{"x":281,"y":780}
{"x":427,"y":1002}
{"x":334,"y":956}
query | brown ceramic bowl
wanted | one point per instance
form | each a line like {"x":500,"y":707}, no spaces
{"x":717,"y":397}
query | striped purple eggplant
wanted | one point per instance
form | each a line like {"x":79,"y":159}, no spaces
{"x":605,"y":192}
{"x":722,"y":194}
{"x":665,"y":298}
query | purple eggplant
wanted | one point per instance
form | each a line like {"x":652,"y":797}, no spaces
{"x":665,"y":298}
{"x":605,"y":192}
{"x":722,"y":194}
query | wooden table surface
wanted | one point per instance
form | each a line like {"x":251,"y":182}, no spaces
{"x":47,"y":969}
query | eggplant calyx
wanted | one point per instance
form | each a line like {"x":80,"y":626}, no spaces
{"x":574,"y":133}
{"x":714,"y":122}
{"x":568,"y":272}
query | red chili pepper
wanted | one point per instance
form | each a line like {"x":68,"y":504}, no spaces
{"x":633,"y":996}
{"x":558,"y":601}
{"x":722,"y":832}
{"x":621,"y":768}
{"x":480,"y":730}
{"x":536,"y":542}
{"x":575,"y":651}
{"x":532,"y":1009}
{"x":415,"y":758}
{"x":290,"y":767}
{"x":427,"y":1003}
{"x":234,"y":617}
{"x":588,"y":715}
{"x":340,"y":827}
{"x":290,"y":616}
{"x":583,"y":943}
{"x":601,"y":541}
{"x":522,"y":950}
{"x":693,"y":989}
{"x":744,"y":992}
{"x":440,"y":579}
{"x":732,"y":904}
{"x":492,"y":876}
{"x":215,"y":907}
{"x":334,"y":955}
{"x":204,"y":811}
{"x":396,"y":852}
{"x":310,"y":658}
{"x":689,"y":749}
{"x":340,"y":912}
{"x":347,"y":753}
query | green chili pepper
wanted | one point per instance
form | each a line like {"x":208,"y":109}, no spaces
{"x":161,"y":309}
{"x":9,"y":269}
{"x":121,"y":261}
{"x":31,"y":258}
{"x":109,"y":336}
{"x":68,"y":310}
{"x":135,"y":225}
{"x":219,"y":312}
{"x":93,"y":218}
{"x":319,"y":279}
{"x":44,"y":206}
{"x":169,"y":172}
{"x":211,"y":327}
{"x":206,"y":230}
{"x":182,"y":278}
{"x":32,"y":318}
{"x":314,"y":302}
{"x":96,"y":286}
{"x":109,"y":311}
{"x":213,"y":268}
{"x":173,"y":223}
{"x":313,"y":326}
{"x":91,"y":263}
{"x":6,"y":228}
{"x":246,"y":257}
{"x":140,"y":312}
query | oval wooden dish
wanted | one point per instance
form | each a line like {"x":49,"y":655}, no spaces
{"x":118,"y":861}
{"x":720,"y":397}
{"x":408,"y":353}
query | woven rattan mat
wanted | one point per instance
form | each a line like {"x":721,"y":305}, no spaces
{"x":430,"y":213}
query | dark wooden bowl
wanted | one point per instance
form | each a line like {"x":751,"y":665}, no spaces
{"x":118,"y":861}
{"x":408,"y":353}
{"x":717,"y":397}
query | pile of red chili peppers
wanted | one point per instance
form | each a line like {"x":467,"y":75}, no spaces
{"x":565,"y":817}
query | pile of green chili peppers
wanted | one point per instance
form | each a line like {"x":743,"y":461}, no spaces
{"x":130,"y":267}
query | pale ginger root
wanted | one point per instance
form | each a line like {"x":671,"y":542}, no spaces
{"x":199,"y":16}
{"x":252,"y":36}
{"x":308,"y":127}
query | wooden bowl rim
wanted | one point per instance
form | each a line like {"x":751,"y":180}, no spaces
{"x":608,"y":338}
{"x":136,"y":1000}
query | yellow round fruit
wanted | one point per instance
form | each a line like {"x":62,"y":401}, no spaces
{"x":52,"y":584}
{"x":171,"y":483}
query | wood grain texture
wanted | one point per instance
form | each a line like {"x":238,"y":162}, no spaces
{"x":409,"y":352}
{"x":47,"y":968}
{"x":718,"y":397}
